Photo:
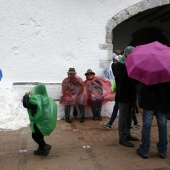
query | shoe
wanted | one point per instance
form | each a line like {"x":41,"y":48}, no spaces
{"x":135,"y":127}
{"x":95,"y":118}
{"x":162,"y":156}
{"x":144,"y":156}
{"x":82,"y":119}
{"x":68,"y":120}
{"x":132,"y":138}
{"x":106,"y":125}
{"x":42,"y":152}
{"x":47,"y":147}
{"x":127,"y":144}
{"x":99,"y":118}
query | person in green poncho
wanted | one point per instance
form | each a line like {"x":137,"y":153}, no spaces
{"x":42,"y":112}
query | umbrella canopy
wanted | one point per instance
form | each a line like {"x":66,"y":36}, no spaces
{"x":149,"y":63}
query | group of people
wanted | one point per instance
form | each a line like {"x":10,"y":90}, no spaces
{"x":153,"y":99}
{"x":96,"y":91}
{"x":93,"y":92}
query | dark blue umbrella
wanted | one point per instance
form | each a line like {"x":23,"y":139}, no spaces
{"x":1,"y":74}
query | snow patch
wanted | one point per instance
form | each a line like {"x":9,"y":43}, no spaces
{"x":13,"y":115}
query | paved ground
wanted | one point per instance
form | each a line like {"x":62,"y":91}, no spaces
{"x":76,"y":146}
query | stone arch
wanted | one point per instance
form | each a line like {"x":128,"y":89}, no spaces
{"x":124,"y":15}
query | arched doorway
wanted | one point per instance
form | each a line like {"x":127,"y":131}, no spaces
{"x":148,"y":26}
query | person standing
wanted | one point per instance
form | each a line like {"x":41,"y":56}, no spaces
{"x":108,"y":125}
{"x":73,"y":94}
{"x":126,"y":97}
{"x":42,"y":112}
{"x":154,"y":100}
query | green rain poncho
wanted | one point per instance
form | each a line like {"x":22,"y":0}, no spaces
{"x":46,"y":115}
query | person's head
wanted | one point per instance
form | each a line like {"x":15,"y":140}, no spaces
{"x":71,"y":73}
{"x":89,"y":74}
{"x":117,"y":52}
{"x":128,"y":50}
{"x":116,"y":56}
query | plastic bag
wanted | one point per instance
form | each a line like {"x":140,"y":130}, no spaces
{"x":107,"y":72}
{"x":114,"y":85}
{"x":46,"y":116}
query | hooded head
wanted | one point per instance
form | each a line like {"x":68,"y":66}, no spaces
{"x":127,"y":51}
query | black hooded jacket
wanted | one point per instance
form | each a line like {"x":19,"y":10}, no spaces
{"x":155,"y":97}
{"x":125,"y":86}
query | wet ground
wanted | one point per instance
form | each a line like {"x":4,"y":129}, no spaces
{"x":79,"y":146}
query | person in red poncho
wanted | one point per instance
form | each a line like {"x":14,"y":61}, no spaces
{"x":98,"y":92}
{"x":73,"y":94}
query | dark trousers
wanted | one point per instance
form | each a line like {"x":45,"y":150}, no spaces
{"x":38,"y":137}
{"x":68,"y":107}
{"x":134,"y":118}
{"x":96,"y":111}
{"x":125,"y":119}
{"x":114,"y":113}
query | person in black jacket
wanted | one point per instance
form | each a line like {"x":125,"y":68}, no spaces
{"x":126,"y":97}
{"x":155,"y":100}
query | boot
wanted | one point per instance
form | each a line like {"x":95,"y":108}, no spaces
{"x":82,"y":119}
{"x":43,"y":152}
{"x":68,"y":120}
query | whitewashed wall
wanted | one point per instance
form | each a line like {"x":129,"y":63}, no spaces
{"x":40,"y":40}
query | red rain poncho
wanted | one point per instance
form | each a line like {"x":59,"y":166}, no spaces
{"x":100,"y":89}
{"x":73,"y":91}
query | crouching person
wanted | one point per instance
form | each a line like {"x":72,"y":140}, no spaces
{"x":42,"y":112}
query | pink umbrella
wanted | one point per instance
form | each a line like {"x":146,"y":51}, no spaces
{"x":149,"y":63}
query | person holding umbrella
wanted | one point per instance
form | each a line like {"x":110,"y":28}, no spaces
{"x":126,"y":97}
{"x":149,"y":64}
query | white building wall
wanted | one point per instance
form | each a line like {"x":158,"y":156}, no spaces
{"x":41,"y":39}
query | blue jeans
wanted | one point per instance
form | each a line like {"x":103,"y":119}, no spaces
{"x":147,"y":118}
{"x":114,"y":113}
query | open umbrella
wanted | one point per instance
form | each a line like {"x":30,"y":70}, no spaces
{"x":1,"y":74}
{"x":149,"y":63}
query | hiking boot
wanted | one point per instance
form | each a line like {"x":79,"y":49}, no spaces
{"x":43,"y":152}
{"x":144,"y":156}
{"x":106,"y":125}
{"x":95,"y":118}
{"x":99,"y":118}
{"x":162,"y":156}
{"x":68,"y":120}
{"x":47,"y":147}
{"x":82,"y":119}
{"x":127,"y":144}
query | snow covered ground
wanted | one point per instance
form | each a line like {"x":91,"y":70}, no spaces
{"x":13,"y":115}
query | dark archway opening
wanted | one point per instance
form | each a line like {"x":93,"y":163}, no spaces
{"x":147,"y":35}
{"x":145,"y":27}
